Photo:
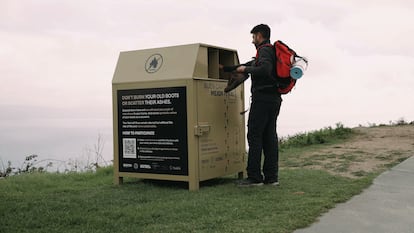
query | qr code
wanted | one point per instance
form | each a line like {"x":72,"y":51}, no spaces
{"x":129,"y":147}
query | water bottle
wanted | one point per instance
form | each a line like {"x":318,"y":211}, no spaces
{"x":299,"y":66}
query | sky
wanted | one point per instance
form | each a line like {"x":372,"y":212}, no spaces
{"x":57,"y":60}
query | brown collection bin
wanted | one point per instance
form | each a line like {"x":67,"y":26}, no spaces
{"x":171,"y":117}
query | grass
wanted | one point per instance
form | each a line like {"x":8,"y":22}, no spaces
{"x":89,"y":202}
{"x":295,"y":147}
{"x":322,"y":136}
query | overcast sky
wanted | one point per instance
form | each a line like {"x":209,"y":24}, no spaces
{"x":57,"y":59}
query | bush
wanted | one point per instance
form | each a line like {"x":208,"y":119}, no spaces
{"x":5,"y":171}
{"x":325,"y":135}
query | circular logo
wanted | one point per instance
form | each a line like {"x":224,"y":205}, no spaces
{"x":136,"y":166}
{"x":153,"y":63}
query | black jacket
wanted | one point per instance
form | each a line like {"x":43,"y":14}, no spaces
{"x":263,"y":74}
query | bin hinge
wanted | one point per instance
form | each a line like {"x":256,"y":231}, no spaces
{"x":200,"y":130}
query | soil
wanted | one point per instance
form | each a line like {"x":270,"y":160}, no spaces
{"x":373,"y":149}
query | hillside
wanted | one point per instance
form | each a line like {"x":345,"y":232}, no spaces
{"x":314,"y":178}
{"x":371,"y":149}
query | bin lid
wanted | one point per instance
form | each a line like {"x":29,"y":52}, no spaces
{"x":166,"y":63}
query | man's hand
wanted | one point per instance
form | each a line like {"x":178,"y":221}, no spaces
{"x":221,"y":66}
{"x":241,"y":69}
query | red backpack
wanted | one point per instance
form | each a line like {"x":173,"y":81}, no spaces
{"x":285,"y":58}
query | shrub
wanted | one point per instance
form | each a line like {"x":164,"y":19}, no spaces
{"x":325,"y":135}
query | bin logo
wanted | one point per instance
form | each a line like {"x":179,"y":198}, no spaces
{"x":153,"y":63}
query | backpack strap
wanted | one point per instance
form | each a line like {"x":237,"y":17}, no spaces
{"x":261,"y":46}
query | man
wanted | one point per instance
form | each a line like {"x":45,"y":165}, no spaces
{"x":264,"y":110}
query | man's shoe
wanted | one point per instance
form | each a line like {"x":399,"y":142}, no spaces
{"x":272,"y":182}
{"x":249,"y":183}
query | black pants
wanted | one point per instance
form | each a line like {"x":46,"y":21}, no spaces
{"x":262,"y":136}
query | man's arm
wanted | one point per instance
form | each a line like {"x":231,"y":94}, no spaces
{"x":263,"y":66}
{"x":233,"y":68}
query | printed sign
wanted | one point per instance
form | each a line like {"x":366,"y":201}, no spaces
{"x":152,"y":130}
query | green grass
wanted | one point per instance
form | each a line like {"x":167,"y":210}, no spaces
{"x":293,"y":148}
{"x":322,"y":136}
{"x":89,"y":202}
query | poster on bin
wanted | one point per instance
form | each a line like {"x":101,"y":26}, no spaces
{"x":152,"y":130}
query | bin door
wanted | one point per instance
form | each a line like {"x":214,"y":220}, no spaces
{"x":220,"y":129}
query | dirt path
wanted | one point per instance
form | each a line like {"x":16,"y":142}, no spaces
{"x":371,"y":150}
